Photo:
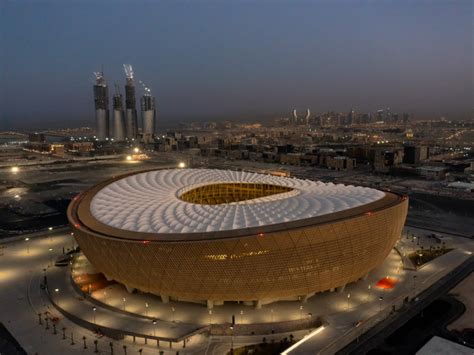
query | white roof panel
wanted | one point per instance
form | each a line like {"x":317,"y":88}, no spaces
{"x":149,"y":202}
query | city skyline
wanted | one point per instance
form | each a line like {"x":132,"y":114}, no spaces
{"x":212,"y":61}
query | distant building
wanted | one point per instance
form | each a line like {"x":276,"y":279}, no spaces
{"x":36,"y":137}
{"x":432,"y":172}
{"x":119,"y":122}
{"x":147,"y":104}
{"x":101,"y":102}
{"x":131,"y":122}
{"x":340,"y":163}
{"x":415,"y":154}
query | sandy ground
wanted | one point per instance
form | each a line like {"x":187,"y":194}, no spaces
{"x":464,"y":292}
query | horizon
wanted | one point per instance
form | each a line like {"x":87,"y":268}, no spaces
{"x":209,"y":61}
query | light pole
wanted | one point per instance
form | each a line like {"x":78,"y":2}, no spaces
{"x":27,"y":245}
{"x":210,"y":316}
{"x":123,"y":299}
{"x":146,"y":309}
{"x":94,"y":309}
{"x":172,"y":310}
{"x":271,"y":315}
{"x":105,"y":297}
{"x":241,"y":316}
{"x":56,"y":291}
{"x":348,"y":298}
{"x":154,"y":328}
{"x":50,"y":257}
{"x":301,"y":312}
{"x":380,"y":303}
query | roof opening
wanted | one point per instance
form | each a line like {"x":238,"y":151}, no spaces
{"x":221,"y":193}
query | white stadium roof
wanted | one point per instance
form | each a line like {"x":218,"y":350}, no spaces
{"x":149,"y":202}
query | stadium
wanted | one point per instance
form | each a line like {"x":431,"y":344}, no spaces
{"x":212,"y":236}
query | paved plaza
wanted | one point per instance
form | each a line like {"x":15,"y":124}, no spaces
{"x":21,"y":300}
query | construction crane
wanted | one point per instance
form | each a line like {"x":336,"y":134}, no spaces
{"x":128,"y":71}
{"x":147,"y":89}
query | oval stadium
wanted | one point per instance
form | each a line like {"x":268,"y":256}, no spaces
{"x":211,"y":236}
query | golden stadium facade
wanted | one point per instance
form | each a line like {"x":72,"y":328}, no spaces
{"x":219,"y":235}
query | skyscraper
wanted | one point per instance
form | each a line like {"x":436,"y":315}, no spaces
{"x":101,"y":102}
{"x":131,"y":124}
{"x":148,"y":115}
{"x":119,"y":124}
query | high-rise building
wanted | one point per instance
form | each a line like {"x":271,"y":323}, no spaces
{"x":148,"y":115}
{"x":101,"y":102}
{"x":119,"y":124}
{"x":131,"y":123}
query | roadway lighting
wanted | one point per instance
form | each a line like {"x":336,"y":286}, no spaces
{"x":15,"y":169}
{"x":348,"y":298}
{"x":154,"y":328}
{"x":50,"y":257}
{"x":210,"y":316}
{"x":146,"y":309}
{"x":93,"y":310}
{"x":182,"y":165}
{"x":123,"y":299}
{"x":27,"y":245}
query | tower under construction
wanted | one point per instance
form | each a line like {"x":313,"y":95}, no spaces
{"x":131,"y":124}
{"x":147,"y":103}
{"x":119,"y":124}
{"x":101,"y":102}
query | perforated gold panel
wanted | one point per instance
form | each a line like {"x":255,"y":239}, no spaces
{"x":271,"y":265}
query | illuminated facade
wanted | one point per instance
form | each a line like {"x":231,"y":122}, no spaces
{"x":214,"y":235}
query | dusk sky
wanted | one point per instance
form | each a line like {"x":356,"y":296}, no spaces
{"x":216,"y":60}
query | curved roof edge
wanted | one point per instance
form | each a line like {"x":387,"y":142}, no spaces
{"x":81,"y":218}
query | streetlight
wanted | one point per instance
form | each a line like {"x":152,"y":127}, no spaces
{"x":301,"y":312}
{"x":136,"y":150}
{"x":146,"y":309}
{"x":271,"y":314}
{"x":241,"y":316}
{"x":210,"y":316}
{"x":27,"y":245}
{"x":380,"y":303}
{"x":348,"y":298}
{"x":154,"y":328}
{"x":172,"y":310}
{"x":182,"y":165}
{"x":93,"y":312}
{"x":50,"y":257}
{"x":123,"y":299}
{"x":105,"y":297}
{"x":15,"y":169}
